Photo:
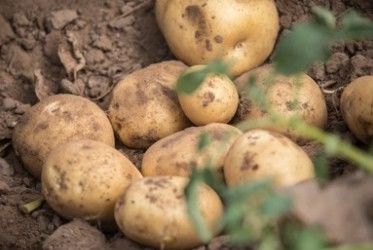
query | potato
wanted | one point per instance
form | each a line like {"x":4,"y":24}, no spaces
{"x":153,"y":212}
{"x":357,"y":108}
{"x":54,"y":121}
{"x":242,"y":33}
{"x":288,"y":96}
{"x":216,"y":100}
{"x":260,"y":154}
{"x":145,"y":108}
{"x":84,"y":178}
{"x":178,"y":154}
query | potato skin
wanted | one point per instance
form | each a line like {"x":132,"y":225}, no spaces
{"x":260,"y":154}
{"x":177,"y":154}
{"x":153,"y":212}
{"x":280,"y":94}
{"x":145,"y":108}
{"x":241,"y":32}
{"x":357,"y":108}
{"x":84,"y":178}
{"x":216,"y":100}
{"x":54,"y":121}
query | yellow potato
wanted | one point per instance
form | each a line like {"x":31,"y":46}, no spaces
{"x":242,"y":33}
{"x":145,"y":108}
{"x":153,"y":212}
{"x":83,"y":179}
{"x":288,"y":96}
{"x":357,"y":108}
{"x":54,"y":121}
{"x":178,"y":154}
{"x":260,"y":154}
{"x":216,"y":100}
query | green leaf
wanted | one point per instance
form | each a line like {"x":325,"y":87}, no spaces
{"x":310,"y":239}
{"x":321,"y":168}
{"x":324,"y":17}
{"x":306,"y":44}
{"x":244,"y":191}
{"x":276,"y":205}
{"x":211,"y":178}
{"x":355,"y":26}
{"x":269,"y":242}
{"x":233,"y":215}
{"x":218,"y":67}
{"x":203,"y":141}
{"x":240,"y":236}
{"x":189,"y":81}
{"x":191,"y":194}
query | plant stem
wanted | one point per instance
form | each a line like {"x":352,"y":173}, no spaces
{"x":31,"y":206}
{"x":333,"y":144}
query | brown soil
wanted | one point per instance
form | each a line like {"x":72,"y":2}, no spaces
{"x":84,"y":47}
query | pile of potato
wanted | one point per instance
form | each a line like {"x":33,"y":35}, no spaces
{"x":68,"y":141}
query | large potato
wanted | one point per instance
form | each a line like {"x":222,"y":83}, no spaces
{"x":215,"y":100}
{"x":357,"y":108}
{"x":178,"y":154}
{"x":153,"y":212}
{"x":241,"y":32}
{"x":260,"y":154}
{"x":83,"y":179}
{"x":145,"y":108}
{"x":288,"y":96}
{"x":54,"y":121}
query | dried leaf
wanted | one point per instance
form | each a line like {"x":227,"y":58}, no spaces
{"x":42,"y":90}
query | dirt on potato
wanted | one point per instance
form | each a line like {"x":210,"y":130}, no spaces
{"x":84,"y":47}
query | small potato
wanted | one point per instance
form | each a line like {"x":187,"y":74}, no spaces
{"x":54,"y":121}
{"x":242,"y":33}
{"x":83,"y":179}
{"x":260,"y":154}
{"x":145,"y":108}
{"x":216,"y":100}
{"x":357,"y":108}
{"x":153,"y":212}
{"x":288,"y":96}
{"x":178,"y":154}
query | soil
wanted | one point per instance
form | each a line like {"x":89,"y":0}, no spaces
{"x":84,"y":47}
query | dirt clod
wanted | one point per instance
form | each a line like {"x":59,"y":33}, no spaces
{"x":59,"y":19}
{"x":77,"y":235}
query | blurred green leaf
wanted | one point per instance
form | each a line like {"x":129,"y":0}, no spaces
{"x":297,"y":237}
{"x":276,"y":205}
{"x":309,"y":42}
{"x":191,"y":194}
{"x":212,"y":179}
{"x":306,"y":44}
{"x":310,"y":239}
{"x":244,"y":191}
{"x":355,"y":26}
{"x":321,"y":167}
{"x":188,"y":82}
{"x":233,"y":216}
{"x":324,"y":17}
{"x":269,"y":242}
{"x":203,"y":141}
{"x":240,"y":235}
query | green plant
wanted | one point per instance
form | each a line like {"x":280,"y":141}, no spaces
{"x":252,"y":211}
